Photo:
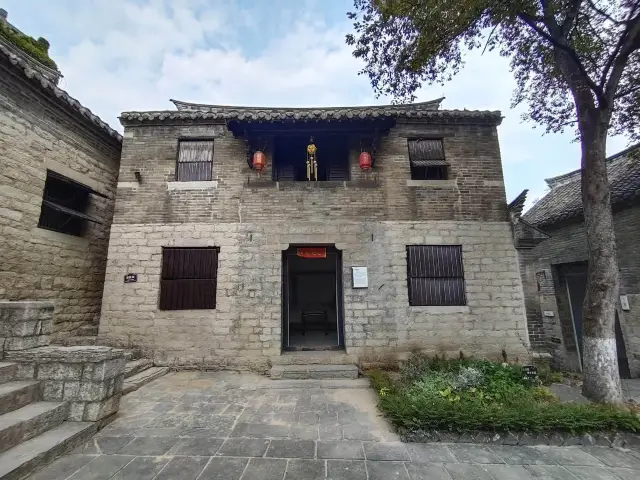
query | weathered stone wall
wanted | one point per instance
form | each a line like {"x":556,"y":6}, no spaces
{"x":245,"y":328}
{"x":36,"y":133}
{"x":567,"y":245}
{"x":475,"y":190}
{"x":371,"y":219}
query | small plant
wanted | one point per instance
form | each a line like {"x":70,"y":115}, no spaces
{"x":467,"y":378}
{"x":415,"y":367}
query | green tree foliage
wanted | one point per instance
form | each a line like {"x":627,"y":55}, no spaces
{"x":576,"y":64}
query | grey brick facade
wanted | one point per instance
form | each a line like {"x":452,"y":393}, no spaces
{"x":253,"y":220}
{"x":42,"y":128}
{"x":545,"y":266}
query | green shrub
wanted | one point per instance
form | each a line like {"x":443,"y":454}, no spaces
{"x":432,"y":396}
{"x":36,"y":48}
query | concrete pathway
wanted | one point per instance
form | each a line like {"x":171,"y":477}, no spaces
{"x":195,"y":425}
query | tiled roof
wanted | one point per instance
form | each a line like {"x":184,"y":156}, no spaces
{"x":564,"y":201}
{"x":51,"y":89}
{"x":198,"y":112}
{"x":517,"y":204}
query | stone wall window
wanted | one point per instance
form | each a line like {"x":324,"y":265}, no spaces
{"x":195,"y":160}
{"x":435,"y":275}
{"x":426,"y":159}
{"x":189,"y":277}
{"x":64,"y":205}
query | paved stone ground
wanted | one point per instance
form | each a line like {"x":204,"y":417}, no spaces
{"x":194,"y":425}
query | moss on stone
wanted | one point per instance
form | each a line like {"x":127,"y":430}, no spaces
{"x":37,"y":49}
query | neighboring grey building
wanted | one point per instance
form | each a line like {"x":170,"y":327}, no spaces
{"x":552,"y":251}
{"x":211,"y":264}
{"x":57,"y":193}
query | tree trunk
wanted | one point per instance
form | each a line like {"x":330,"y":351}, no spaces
{"x":599,"y":356}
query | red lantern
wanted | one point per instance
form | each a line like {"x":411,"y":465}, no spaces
{"x":365,"y":161}
{"x":259,"y":161}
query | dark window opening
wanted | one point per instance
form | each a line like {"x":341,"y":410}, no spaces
{"x":426,"y":159}
{"x":435,"y":275}
{"x":195,"y":160}
{"x":189,"y":277}
{"x":64,"y":205}
{"x":290,"y":157}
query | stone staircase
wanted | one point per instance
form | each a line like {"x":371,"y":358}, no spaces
{"x":316,"y":365}
{"x":137,"y":371}
{"x":33,"y":432}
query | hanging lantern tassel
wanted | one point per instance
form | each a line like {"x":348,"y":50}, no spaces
{"x":312,"y":162}
{"x":365,"y":161}
{"x":259,"y":161}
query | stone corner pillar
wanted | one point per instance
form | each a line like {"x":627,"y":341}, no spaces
{"x":24,"y":325}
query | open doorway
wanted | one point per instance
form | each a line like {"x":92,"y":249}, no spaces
{"x":312,"y":298}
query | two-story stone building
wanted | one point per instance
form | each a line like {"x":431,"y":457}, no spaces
{"x":212,"y":263}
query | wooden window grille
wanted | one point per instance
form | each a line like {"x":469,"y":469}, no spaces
{"x":426,"y":159}
{"x":435,"y":275}
{"x":195,"y":160}
{"x":64,"y":205}
{"x":189,"y":277}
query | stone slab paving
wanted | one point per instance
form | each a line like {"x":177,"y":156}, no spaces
{"x":198,"y":425}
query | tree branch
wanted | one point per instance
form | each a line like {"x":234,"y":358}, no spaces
{"x":601,"y":12}
{"x":531,"y":22}
{"x":626,"y":92}
{"x":570,"y":19}
{"x":630,"y":41}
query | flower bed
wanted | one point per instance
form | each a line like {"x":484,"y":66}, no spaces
{"x":471,"y":396}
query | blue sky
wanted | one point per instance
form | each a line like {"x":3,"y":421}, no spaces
{"x":119,"y":55}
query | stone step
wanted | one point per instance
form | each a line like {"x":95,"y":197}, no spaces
{"x":8,"y":371}
{"x":309,"y":384}
{"x":30,"y":421}
{"x":78,"y":341}
{"x":133,"y":383}
{"x":33,"y":454}
{"x":15,"y":395}
{"x":136,"y":366}
{"x":327,"y":357}
{"x":314,"y":371}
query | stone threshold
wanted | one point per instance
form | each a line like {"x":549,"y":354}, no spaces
{"x":557,"y":439}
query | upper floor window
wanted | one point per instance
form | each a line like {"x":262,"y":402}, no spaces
{"x":426,"y":158}
{"x":290,"y":158}
{"x":64,"y":205}
{"x":195,"y":160}
{"x":435,"y":275}
{"x":189,"y":278}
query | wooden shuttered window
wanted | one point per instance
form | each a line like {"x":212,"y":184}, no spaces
{"x":435,"y":275}
{"x":189,"y":277}
{"x":195,"y":160}
{"x":426,"y":158}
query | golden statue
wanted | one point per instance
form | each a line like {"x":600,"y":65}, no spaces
{"x":312,"y":163}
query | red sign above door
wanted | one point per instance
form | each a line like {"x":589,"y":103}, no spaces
{"x":312,"y":252}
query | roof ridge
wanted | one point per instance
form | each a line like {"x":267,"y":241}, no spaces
{"x":45,"y":84}
{"x":189,"y":106}
{"x":564,"y":178}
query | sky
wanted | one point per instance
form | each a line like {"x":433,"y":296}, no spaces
{"x":120,"y":55}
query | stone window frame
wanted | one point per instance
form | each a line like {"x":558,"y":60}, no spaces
{"x":197,"y":175}
{"x":426,"y":262}
{"x":420,"y":168}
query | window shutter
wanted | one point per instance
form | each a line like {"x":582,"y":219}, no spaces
{"x":189,"y":277}
{"x":426,"y":152}
{"x":435,"y":275}
{"x":195,"y":160}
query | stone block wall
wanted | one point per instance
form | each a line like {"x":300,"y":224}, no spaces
{"x":38,"y":133}
{"x":567,"y":248}
{"x":89,"y":378}
{"x":474,"y":191}
{"x":245,"y":328}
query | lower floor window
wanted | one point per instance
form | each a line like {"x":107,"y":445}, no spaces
{"x":435,"y":275}
{"x":189,"y":277}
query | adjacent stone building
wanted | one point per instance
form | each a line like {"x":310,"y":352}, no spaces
{"x":216,"y":261}
{"x":57,"y":193}
{"x":552,"y":250}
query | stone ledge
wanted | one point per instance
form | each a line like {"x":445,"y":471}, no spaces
{"x":202,"y":185}
{"x":607,"y":439}
{"x":24,"y":304}
{"x":80,"y":354}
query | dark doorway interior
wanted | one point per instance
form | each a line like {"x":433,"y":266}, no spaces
{"x":576,"y":282}
{"x":312,"y":301}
